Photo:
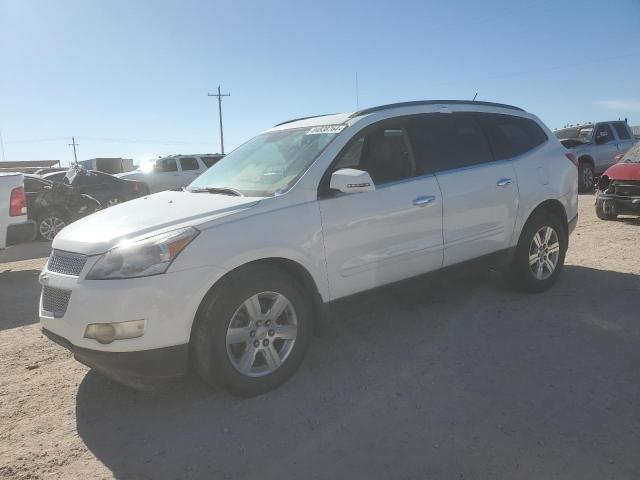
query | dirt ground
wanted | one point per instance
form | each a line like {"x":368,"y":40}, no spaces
{"x":460,"y":380}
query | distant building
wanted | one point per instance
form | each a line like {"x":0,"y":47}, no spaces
{"x":108,"y":165}
{"x":636,"y":131}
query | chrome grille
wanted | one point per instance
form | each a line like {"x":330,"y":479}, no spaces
{"x":66,"y":263}
{"x":55,"y":300}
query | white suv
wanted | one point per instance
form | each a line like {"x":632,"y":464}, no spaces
{"x":232,"y":275}
{"x":174,"y":171}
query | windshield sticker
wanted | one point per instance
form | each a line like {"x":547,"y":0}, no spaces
{"x":326,"y":129}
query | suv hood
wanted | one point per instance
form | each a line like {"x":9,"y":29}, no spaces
{"x":163,"y":211}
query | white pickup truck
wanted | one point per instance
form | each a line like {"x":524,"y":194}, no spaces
{"x":14,"y":225}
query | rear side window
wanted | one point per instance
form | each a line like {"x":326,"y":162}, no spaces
{"x":621,"y":130}
{"x":444,"y":141}
{"x":511,"y":136}
{"x":189,"y":163}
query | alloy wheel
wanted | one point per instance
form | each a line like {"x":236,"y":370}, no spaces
{"x":587,"y":178}
{"x":50,"y":226}
{"x":261,"y":334}
{"x":544,"y":252}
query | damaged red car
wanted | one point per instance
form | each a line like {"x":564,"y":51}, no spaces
{"x":618,"y":190}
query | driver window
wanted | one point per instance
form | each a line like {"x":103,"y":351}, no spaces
{"x":604,"y":133}
{"x":384,"y":153}
{"x":166,"y":165}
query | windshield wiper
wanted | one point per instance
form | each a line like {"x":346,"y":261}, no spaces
{"x":220,"y":190}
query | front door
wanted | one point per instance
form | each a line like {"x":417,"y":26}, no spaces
{"x":382,"y":236}
{"x":605,"y":147}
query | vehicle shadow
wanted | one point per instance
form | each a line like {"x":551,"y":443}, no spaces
{"x":25,"y":251}
{"x":23,"y":285}
{"x":418,"y":376}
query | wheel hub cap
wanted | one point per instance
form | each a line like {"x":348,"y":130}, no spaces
{"x":544,"y":253}
{"x":261,"y":334}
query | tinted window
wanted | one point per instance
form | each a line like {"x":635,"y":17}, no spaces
{"x":604,"y":133}
{"x":511,"y":136}
{"x":209,"y":161}
{"x":384,"y":153}
{"x":621,"y":130}
{"x":166,"y":165}
{"x":444,"y":141}
{"x":189,"y":163}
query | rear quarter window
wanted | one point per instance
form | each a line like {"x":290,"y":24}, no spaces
{"x":511,"y":136}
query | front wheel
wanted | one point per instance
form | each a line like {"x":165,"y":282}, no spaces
{"x":252,"y":332}
{"x":586,"y":177}
{"x":605,"y":210}
{"x":540,"y":254}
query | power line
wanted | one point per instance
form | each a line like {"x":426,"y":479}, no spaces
{"x":220,"y":95}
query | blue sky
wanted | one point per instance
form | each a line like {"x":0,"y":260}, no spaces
{"x":130,"y":78}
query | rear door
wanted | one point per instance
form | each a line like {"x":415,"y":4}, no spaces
{"x":479,"y":194}
{"x":624,"y":134}
{"x":382,"y":236}
{"x":165,"y":175}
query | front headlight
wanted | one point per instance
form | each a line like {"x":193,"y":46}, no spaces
{"x":142,"y":257}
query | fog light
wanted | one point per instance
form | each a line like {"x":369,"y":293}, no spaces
{"x":108,"y":332}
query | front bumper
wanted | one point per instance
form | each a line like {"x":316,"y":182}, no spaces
{"x":131,"y":368}
{"x":620,"y":205}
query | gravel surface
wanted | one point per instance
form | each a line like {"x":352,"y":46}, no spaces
{"x":463,"y":379}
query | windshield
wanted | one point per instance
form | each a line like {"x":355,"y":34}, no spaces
{"x":633,"y":155}
{"x":269,"y":163}
{"x":579,"y":133}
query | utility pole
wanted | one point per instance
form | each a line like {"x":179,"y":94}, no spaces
{"x":2,"y":146}
{"x":220,"y":95}
{"x":74,"y":145}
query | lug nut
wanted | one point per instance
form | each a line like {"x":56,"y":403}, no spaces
{"x":252,"y":333}
{"x":258,"y":323}
{"x":272,"y":333}
{"x":267,"y":323}
{"x":256,"y":343}
{"x":265,"y":342}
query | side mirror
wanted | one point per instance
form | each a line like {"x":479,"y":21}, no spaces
{"x":350,"y":180}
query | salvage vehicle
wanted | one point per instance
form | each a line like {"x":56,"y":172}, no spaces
{"x":595,"y":146}
{"x":54,"y":205}
{"x":15,"y":226}
{"x":108,"y":189}
{"x":618,"y":189}
{"x":174,"y":171}
{"x":233,"y":274}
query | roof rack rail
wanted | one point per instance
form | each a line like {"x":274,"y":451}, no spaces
{"x":301,"y":118}
{"x":431,"y":102}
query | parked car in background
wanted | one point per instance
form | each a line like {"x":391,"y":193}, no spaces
{"x":172,"y":172}
{"x":233,"y":273}
{"x":108,"y":189}
{"x":54,"y":205}
{"x":595,"y":146}
{"x":15,"y":226}
{"x":618,"y":189}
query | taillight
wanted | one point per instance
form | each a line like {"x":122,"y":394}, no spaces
{"x":572,"y":157}
{"x":18,"y":202}
{"x":618,"y":157}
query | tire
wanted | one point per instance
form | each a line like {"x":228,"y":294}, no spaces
{"x":225,"y":332}
{"x":586,"y":177}
{"x":527,"y":276}
{"x":603,"y":212}
{"x":49,"y":224}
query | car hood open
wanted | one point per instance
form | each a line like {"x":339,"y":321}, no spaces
{"x":163,"y":211}
{"x":623,"y":171}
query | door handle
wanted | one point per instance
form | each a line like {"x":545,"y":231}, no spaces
{"x":424,"y":201}
{"x":504,"y":182}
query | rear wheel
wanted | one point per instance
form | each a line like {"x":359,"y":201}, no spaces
{"x":49,"y":225}
{"x":586,"y":177}
{"x":540,"y":254}
{"x":252,"y":332}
